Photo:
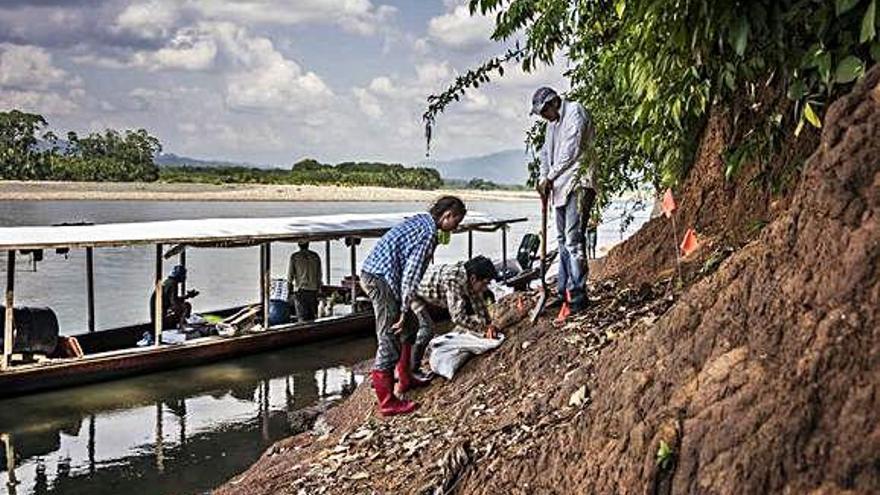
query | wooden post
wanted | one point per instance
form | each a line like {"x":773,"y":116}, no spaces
{"x":8,"y":334}
{"x":470,"y":244}
{"x":9,"y":451}
{"x":158,"y":309}
{"x":183,"y":264}
{"x":90,"y":286}
{"x":353,"y":272}
{"x":504,"y":246}
{"x":265,"y":259}
{"x":327,"y":262}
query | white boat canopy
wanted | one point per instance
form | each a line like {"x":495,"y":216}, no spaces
{"x":220,"y":231}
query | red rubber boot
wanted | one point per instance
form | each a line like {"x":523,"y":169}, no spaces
{"x":405,"y":379}
{"x":389,"y":404}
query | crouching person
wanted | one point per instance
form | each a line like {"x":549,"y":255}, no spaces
{"x":390,"y":275}
{"x":460,"y":288}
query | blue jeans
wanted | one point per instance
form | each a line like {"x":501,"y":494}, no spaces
{"x":571,"y":229}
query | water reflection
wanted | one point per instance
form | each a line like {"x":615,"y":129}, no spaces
{"x":177,"y":432}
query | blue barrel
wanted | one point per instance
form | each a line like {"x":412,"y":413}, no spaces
{"x":279,"y":312}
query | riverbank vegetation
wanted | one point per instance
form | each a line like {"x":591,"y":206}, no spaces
{"x":29,"y":152}
{"x":26,"y":154}
{"x":311,"y":172}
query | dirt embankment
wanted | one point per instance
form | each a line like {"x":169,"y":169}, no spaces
{"x":761,"y":377}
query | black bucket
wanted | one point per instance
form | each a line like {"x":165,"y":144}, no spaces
{"x":36,"y":330}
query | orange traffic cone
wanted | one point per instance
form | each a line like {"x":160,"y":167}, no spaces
{"x":690,"y":243}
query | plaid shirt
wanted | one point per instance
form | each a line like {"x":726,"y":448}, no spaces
{"x":447,"y":286}
{"x":402,"y":254}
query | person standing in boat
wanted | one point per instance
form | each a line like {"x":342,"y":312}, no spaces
{"x":175,"y":309}
{"x":390,"y":275}
{"x":461,"y":289}
{"x":304,"y":281}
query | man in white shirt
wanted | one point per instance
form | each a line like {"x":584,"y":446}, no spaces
{"x":569,"y":180}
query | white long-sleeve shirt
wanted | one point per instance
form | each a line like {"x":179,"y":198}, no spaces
{"x":564,"y":148}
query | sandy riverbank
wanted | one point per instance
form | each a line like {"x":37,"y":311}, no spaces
{"x":141,"y":191}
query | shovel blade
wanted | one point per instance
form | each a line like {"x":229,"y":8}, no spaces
{"x":539,"y":307}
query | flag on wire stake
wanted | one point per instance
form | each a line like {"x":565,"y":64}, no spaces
{"x":668,"y":206}
{"x":690,"y":243}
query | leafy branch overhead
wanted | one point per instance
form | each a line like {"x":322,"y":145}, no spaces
{"x":649,"y":71}
{"x":472,"y":79}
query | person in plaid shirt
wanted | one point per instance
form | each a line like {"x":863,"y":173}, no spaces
{"x":460,"y":288}
{"x":390,"y":275}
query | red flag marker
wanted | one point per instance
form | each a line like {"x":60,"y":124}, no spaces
{"x":690,"y":243}
{"x":668,"y":206}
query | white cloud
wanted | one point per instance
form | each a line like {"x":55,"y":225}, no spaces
{"x":154,"y":19}
{"x":382,"y":86}
{"x":190,"y":49}
{"x":461,"y":31}
{"x":44,"y":103}
{"x":261,"y":78}
{"x":28,"y":68}
{"x":355,"y":16}
{"x":368,"y":103}
{"x":29,"y":81}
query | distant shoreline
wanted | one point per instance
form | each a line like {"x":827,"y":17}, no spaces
{"x":159,"y":191}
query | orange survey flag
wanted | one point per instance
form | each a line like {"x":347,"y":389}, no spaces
{"x":689,"y":244}
{"x":668,"y":205}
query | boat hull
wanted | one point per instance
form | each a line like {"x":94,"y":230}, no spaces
{"x":90,"y":369}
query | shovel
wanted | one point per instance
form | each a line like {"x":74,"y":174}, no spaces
{"x":542,"y":301}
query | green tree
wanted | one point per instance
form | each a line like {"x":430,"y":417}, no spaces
{"x":19,"y":157}
{"x":649,"y":71}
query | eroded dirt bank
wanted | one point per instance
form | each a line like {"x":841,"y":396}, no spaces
{"x":762,"y":376}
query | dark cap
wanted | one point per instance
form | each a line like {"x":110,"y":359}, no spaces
{"x":542,"y":97}
{"x":482,"y":268}
{"x":178,"y":273}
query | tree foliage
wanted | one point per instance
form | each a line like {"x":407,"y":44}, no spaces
{"x":650,"y":70}
{"x":310,"y":171}
{"x":111,"y":156}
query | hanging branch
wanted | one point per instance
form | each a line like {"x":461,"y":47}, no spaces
{"x":472,"y":79}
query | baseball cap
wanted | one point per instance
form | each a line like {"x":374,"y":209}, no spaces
{"x":541,"y":97}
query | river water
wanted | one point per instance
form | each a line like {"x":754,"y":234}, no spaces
{"x":186,"y":431}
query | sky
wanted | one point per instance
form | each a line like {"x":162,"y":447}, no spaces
{"x":266,"y":82}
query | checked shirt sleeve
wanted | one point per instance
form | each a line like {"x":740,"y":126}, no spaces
{"x":414,"y":269}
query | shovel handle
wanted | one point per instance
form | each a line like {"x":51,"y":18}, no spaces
{"x":544,"y":207}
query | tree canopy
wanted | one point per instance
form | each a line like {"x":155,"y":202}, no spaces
{"x":649,"y":71}
{"x":111,"y":156}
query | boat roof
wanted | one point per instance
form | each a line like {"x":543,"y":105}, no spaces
{"x":222,"y":231}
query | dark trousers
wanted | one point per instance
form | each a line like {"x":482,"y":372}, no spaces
{"x":306,"y":304}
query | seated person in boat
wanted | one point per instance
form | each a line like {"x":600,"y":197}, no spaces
{"x":304,"y":281}
{"x":461,"y":289}
{"x":175,"y":309}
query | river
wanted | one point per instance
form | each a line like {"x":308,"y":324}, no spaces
{"x":186,"y":431}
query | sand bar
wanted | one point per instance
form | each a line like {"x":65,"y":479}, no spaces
{"x":158,"y":191}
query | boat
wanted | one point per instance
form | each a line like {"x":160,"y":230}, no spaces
{"x":113,"y":353}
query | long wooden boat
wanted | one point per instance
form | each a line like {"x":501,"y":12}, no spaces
{"x":113,"y":353}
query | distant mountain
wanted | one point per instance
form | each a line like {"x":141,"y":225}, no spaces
{"x":172,"y":160}
{"x":504,"y":167}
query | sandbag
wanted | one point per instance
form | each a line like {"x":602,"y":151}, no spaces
{"x":450,"y":351}
{"x":36,"y":330}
